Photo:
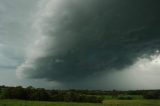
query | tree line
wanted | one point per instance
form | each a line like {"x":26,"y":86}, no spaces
{"x":41,"y":94}
{"x":72,"y":95}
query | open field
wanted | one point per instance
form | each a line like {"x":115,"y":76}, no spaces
{"x":105,"y":103}
{"x":132,"y":102}
{"x":38,"y":103}
{"x":134,"y":97}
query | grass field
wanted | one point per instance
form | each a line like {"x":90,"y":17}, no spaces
{"x":132,"y":102}
{"x":105,"y":103}
{"x":134,"y":97}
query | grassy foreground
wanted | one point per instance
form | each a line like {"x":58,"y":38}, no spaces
{"x":105,"y":103}
{"x":132,"y":102}
{"x":40,"y":103}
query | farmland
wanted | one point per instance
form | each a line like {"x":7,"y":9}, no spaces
{"x":105,"y":103}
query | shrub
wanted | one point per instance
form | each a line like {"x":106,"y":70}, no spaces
{"x":152,"y":95}
{"x":125,"y":97}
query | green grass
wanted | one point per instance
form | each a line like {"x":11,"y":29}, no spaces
{"x":134,"y":97}
{"x":132,"y":102}
{"x":40,"y":103}
{"x":105,"y":103}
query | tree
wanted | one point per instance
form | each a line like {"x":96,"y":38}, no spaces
{"x":152,"y":95}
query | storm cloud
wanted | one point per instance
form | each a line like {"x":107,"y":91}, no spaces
{"x":77,"y":40}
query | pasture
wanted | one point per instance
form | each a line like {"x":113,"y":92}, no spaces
{"x":105,"y":103}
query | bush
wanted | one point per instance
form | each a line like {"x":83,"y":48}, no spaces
{"x":152,"y":95}
{"x":125,"y":98}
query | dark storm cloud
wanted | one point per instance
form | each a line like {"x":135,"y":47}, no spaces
{"x":86,"y":37}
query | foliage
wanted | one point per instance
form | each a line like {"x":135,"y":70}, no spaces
{"x":40,"y":94}
{"x":90,"y":96}
{"x":125,"y":97}
{"x":152,"y":95}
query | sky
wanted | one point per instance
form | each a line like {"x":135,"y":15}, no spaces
{"x":80,"y":44}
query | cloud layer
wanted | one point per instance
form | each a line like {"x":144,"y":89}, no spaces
{"x":78,"y":40}
{"x":15,"y":23}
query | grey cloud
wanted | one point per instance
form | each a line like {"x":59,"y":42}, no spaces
{"x":86,"y":37}
{"x":15,"y":22}
{"x":15,"y":25}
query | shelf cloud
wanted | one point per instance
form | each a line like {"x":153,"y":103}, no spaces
{"x":77,"y":41}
